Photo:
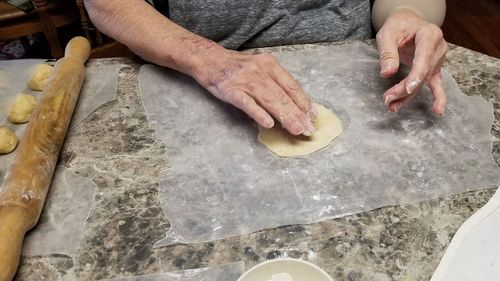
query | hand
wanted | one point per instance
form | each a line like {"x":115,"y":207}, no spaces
{"x":260,"y":86}
{"x":407,"y":38}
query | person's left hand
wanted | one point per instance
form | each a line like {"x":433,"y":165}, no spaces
{"x":407,"y":38}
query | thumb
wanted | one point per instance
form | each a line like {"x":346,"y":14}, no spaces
{"x":389,"y":54}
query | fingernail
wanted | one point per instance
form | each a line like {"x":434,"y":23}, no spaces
{"x":297,"y":128}
{"x":412,"y":86}
{"x":442,"y":109}
{"x":388,"y":99}
{"x":386,"y":66}
{"x":310,"y":126}
{"x":309,"y":130}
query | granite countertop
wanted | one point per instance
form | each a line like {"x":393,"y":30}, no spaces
{"x":117,"y":149}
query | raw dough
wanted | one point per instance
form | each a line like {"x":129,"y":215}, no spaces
{"x":328,"y":127}
{"x":40,"y":76}
{"x":22,"y":108}
{"x":8,"y":140}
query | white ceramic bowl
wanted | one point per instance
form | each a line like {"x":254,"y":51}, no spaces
{"x":283,"y":270}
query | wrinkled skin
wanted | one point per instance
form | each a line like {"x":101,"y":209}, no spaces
{"x":408,"y":39}
{"x":257,"y":84}
{"x":261,"y":87}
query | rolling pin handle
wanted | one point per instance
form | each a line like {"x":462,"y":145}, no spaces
{"x":78,"y":48}
{"x":15,"y":221}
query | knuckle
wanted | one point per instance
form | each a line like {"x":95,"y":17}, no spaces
{"x":283,"y":97}
{"x":293,"y":85}
{"x":241,"y":101}
{"x":226,"y":96}
{"x":252,"y":66}
{"x":287,"y":120}
{"x":433,"y":30}
{"x":379,"y":37}
{"x":268,"y":59}
{"x":229,"y":95}
{"x":252,"y":86}
{"x":381,"y":34}
{"x":303,"y":101}
{"x":268,"y":100}
{"x":387,"y":56}
{"x":438,"y":32}
{"x":299,"y":115}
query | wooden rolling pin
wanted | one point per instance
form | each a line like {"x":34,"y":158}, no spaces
{"x":27,"y":183}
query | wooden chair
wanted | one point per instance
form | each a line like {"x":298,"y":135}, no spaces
{"x":47,"y":17}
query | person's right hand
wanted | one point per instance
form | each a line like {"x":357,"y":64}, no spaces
{"x":260,"y":86}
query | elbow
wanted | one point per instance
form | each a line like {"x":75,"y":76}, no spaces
{"x":101,"y":13}
{"x":93,"y":7}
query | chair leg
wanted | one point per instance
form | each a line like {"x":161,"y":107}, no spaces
{"x":49,"y":28}
{"x":84,"y":20}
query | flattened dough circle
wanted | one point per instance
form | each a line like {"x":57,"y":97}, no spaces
{"x":278,"y":140}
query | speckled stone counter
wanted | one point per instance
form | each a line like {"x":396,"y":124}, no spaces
{"x":116,"y":148}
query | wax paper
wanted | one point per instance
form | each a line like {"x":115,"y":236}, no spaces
{"x":222,"y":182}
{"x":58,"y":230}
{"x":228,"y":272}
{"x":98,"y":88}
{"x":62,"y":220}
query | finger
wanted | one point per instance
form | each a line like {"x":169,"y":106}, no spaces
{"x":396,"y":92}
{"x":426,"y":46}
{"x":437,"y":90}
{"x":388,"y":52}
{"x":396,"y":105}
{"x":292,"y":87}
{"x":275,"y":101}
{"x":247,"y":104}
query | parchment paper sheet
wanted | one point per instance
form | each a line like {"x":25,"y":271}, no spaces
{"x":70,"y":197}
{"x":222,"y":182}
{"x":13,"y":77}
{"x":98,"y":88}
{"x":229,"y":272}
{"x":62,"y":221}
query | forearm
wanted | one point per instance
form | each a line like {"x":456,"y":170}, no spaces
{"x":257,"y":84}
{"x":149,"y":34}
{"x":432,"y":11}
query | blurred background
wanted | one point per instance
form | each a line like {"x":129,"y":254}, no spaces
{"x":41,"y":28}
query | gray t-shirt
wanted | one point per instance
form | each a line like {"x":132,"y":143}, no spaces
{"x":257,"y":23}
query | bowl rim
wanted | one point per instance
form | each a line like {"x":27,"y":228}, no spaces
{"x":284,"y":260}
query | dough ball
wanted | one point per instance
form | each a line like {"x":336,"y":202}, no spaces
{"x":40,"y":76}
{"x":278,"y":140}
{"x":21,"y":110}
{"x":8,"y":140}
